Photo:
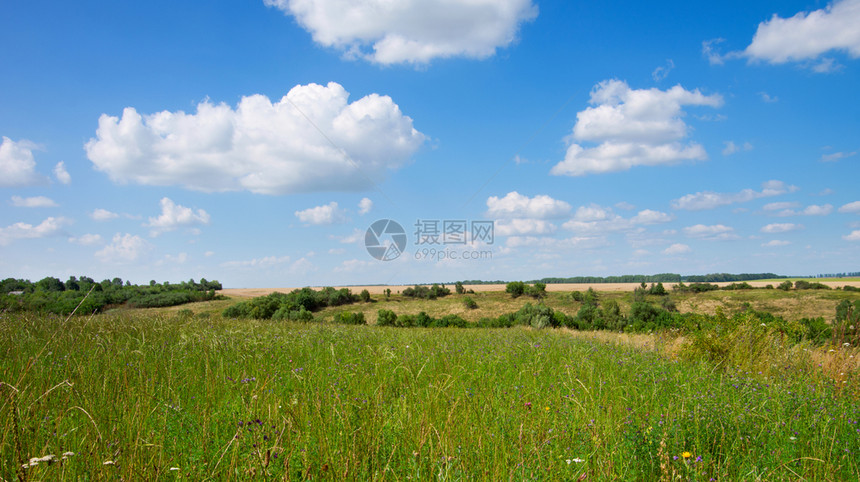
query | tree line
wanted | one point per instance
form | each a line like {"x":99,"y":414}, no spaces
{"x":51,"y":295}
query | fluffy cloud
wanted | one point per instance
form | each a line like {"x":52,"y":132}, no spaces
{"x":516,"y":227}
{"x":174,"y":216}
{"x":411,"y":31}
{"x":854,"y":236}
{"x":49,"y":227}
{"x":33,"y":202}
{"x":716,"y":232}
{"x":313,"y":139}
{"x":780,"y":206}
{"x":17,"y":165}
{"x":850,"y":207}
{"x":100,"y":214}
{"x":322,"y":215}
{"x":811,"y":210}
{"x":515,"y":205}
{"x":265,"y":262}
{"x":595,"y":219}
{"x":364,"y":206}
{"x":86,"y":239}
{"x":837,"y":156}
{"x":61,"y":174}
{"x":732,"y":148}
{"x":711,"y":200}
{"x":808,"y":35}
{"x":781,"y":228}
{"x":632,"y":127}
{"x":677,"y":248}
{"x":123,"y":249}
{"x":775,"y":243}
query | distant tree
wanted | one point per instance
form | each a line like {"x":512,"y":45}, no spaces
{"x":387,"y":293}
{"x":458,"y":287}
{"x":785,"y":285}
{"x":72,"y":284}
{"x":515,"y":288}
{"x":365,"y":296}
{"x":50,"y":284}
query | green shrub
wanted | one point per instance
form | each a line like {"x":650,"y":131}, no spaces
{"x":349,"y":318}
{"x":385,"y":318}
{"x":470,"y":303}
{"x":364,"y":296}
{"x":515,"y":288}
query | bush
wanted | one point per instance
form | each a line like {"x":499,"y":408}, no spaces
{"x":458,"y":287}
{"x":538,"y":290}
{"x":515,"y":288}
{"x":364,"y":296}
{"x":348,"y":318}
{"x":576,"y":296}
{"x":785,"y":285}
{"x":385,"y":318}
{"x":806,"y":285}
{"x":470,"y":303}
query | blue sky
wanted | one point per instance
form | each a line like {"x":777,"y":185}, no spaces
{"x":255,"y":142}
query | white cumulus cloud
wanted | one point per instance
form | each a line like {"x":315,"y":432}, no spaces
{"x":596,"y":219}
{"x":516,"y":227}
{"x":411,"y":31}
{"x":364,"y":206}
{"x":322,"y":215}
{"x":61,"y":174}
{"x":33,"y":202}
{"x":123,"y":249}
{"x":853,"y":207}
{"x":776,"y":243}
{"x":677,"y":248}
{"x":854,"y":236}
{"x":716,"y":232}
{"x":17,"y":165}
{"x":781,"y":228}
{"x":808,"y":35}
{"x":711,"y":200}
{"x":312,"y":139}
{"x":516,"y":205}
{"x":86,"y":239}
{"x":49,"y":227}
{"x":265,"y":262}
{"x":100,"y":214}
{"x":632,"y":127}
{"x":732,"y":148}
{"x":175,"y":216}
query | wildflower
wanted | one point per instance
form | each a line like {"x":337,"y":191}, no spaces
{"x":108,"y":462}
{"x":546,"y":408}
{"x":686,"y":455}
{"x":576,"y":460}
{"x":528,"y":405}
{"x":174,"y":468}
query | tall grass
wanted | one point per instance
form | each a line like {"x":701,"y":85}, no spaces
{"x":159,"y":397}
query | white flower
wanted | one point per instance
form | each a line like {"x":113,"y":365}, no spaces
{"x":174,"y":468}
{"x":109,"y":462}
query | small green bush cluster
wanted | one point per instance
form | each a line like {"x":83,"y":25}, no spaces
{"x":423,"y":292}
{"x":422,"y":319}
{"x":469,"y":303}
{"x":349,"y":318}
{"x":519,"y":288}
{"x":297,"y":305}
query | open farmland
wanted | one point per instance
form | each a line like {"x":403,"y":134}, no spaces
{"x":183,"y":393}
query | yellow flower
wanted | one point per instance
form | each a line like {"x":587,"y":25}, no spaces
{"x":546,"y":408}
{"x":686,"y":455}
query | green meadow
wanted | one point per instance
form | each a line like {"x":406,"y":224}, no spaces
{"x":182,"y":393}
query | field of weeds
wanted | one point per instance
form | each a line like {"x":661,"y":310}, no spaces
{"x":146,"y":395}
